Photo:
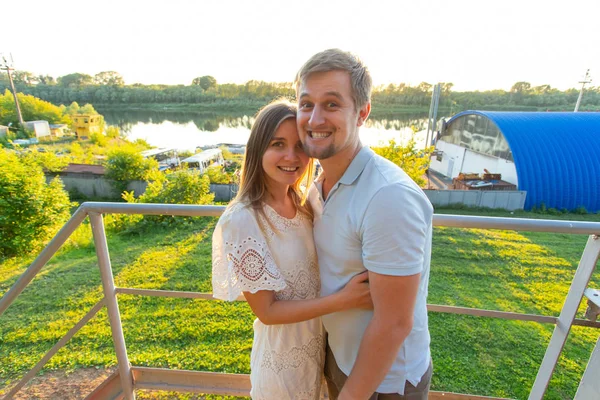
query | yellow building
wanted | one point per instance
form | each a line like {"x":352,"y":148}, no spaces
{"x":86,"y":124}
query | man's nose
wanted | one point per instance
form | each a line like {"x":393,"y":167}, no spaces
{"x":316,"y":117}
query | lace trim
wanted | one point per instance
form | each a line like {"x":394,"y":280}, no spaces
{"x":294,"y":358}
{"x":254,"y":266}
{"x":302,"y":282}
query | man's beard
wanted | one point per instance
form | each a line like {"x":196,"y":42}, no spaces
{"x":320,"y":153}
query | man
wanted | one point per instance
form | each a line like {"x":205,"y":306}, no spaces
{"x":368,"y":214}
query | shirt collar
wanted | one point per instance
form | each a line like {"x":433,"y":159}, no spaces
{"x":357,"y":166}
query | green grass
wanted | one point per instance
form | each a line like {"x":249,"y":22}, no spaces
{"x":499,"y":270}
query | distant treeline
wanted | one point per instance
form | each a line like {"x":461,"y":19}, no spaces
{"x":107,"y":88}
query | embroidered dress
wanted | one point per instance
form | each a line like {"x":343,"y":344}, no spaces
{"x":286,"y":360}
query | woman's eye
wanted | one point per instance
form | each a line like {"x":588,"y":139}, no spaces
{"x":331,"y":104}
{"x":277,"y":144}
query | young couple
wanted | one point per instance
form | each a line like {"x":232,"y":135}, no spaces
{"x":335,"y":271}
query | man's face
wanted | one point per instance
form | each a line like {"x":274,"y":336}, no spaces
{"x":327,"y":120}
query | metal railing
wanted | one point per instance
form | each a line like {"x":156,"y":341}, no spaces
{"x":127,"y":378}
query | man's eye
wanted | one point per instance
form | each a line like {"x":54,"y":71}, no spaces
{"x":331,"y":104}
{"x":305,"y":105}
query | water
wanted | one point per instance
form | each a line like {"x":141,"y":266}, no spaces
{"x":187,"y":130}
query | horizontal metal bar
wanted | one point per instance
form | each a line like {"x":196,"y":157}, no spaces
{"x":457,"y":221}
{"x":191,"y":381}
{"x":183,"y":210}
{"x":94,"y":310}
{"x":165,"y":293}
{"x":110,"y":389}
{"x":517,"y":224}
{"x":59,"y":239}
{"x":506,"y":315}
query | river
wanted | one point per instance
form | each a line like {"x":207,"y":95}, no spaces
{"x":188,"y":130}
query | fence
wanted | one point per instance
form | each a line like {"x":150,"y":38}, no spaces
{"x":505,"y":199}
{"x":127,"y":378}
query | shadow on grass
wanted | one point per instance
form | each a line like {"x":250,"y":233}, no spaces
{"x":507,"y":271}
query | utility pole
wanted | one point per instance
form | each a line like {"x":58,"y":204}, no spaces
{"x":585,"y":80}
{"x":8,"y":66}
{"x":433,"y":109}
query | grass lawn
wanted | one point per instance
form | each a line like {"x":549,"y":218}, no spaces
{"x":499,"y":270}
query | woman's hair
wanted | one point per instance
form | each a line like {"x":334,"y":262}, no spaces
{"x":253,"y":185}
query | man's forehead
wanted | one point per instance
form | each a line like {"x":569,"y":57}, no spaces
{"x":329,"y":83}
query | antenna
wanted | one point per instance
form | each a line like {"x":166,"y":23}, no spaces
{"x":586,"y":79}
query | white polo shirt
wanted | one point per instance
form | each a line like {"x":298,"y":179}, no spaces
{"x":376,"y":218}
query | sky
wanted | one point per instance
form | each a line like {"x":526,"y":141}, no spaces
{"x":477,"y":45}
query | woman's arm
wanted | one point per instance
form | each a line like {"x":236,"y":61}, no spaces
{"x":270,"y":311}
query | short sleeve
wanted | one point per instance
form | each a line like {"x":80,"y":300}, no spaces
{"x":396,"y":231}
{"x":241,"y":259}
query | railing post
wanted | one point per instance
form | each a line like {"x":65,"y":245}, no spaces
{"x":584,"y":272}
{"x":110,"y":296}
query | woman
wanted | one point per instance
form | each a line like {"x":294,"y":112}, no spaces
{"x":263,"y":247}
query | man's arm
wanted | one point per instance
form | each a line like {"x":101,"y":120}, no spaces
{"x":394,"y":300}
{"x":395,"y":233}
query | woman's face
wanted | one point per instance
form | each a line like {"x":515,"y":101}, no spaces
{"x":284,"y":161}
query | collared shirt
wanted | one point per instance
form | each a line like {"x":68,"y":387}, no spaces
{"x":374,"y":218}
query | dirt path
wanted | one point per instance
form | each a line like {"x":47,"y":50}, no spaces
{"x":60,"y":385}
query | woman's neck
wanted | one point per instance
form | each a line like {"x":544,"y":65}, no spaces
{"x":278,"y":198}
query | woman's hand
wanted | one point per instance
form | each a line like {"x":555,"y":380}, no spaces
{"x":356,"y":293}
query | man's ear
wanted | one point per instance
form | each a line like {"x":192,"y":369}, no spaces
{"x":363,"y":114}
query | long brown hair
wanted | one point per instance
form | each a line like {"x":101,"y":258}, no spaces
{"x":253,"y":185}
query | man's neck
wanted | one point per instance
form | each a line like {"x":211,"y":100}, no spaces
{"x":335,"y":167}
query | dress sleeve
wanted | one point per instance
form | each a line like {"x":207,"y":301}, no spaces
{"x":241,"y":258}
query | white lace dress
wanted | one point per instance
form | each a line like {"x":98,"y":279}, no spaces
{"x":286,"y":360}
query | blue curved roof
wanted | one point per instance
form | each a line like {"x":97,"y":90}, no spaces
{"x":556,"y":154}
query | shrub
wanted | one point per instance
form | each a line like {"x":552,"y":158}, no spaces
{"x":98,"y":139}
{"x":412,"y":160}
{"x":32,"y":210}
{"x":180,"y":187}
{"x":217,"y":175}
{"x":125,"y":163}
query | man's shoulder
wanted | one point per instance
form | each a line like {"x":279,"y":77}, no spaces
{"x":381,"y":173}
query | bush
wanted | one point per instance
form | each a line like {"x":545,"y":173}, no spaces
{"x":217,"y":175}
{"x":180,"y":187}
{"x":32,"y":210}
{"x":99,"y":139}
{"x":412,"y":160}
{"x":126,"y":164}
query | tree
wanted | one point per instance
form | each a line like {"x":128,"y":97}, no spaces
{"x":75,"y":80}
{"x":32,"y":109}
{"x":412,"y":161}
{"x":46,"y":80}
{"x":109,"y":78}
{"x":520,"y":87}
{"x":24,"y":77}
{"x":32,"y":210}
{"x":205,"y":82}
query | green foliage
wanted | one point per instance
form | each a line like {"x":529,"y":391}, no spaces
{"x":205,"y":82}
{"x":48,"y":161}
{"x":180,"y":187}
{"x":412,"y":161}
{"x":125,"y":163}
{"x":99,"y":139}
{"x":109,"y":78}
{"x":32,"y":109}
{"x":113,"y":132}
{"x":216,"y":174}
{"x":75,"y":80}
{"x":32,"y":210}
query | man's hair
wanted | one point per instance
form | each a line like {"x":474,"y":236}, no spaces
{"x":338,"y":60}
